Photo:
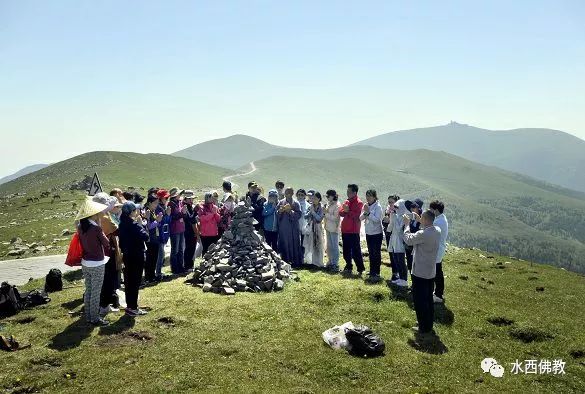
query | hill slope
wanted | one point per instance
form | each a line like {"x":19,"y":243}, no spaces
{"x":22,"y":172}
{"x":43,"y":221}
{"x":488,"y":208}
{"x":549,"y":155}
{"x":272,"y":342}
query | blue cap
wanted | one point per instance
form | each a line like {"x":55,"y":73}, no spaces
{"x":129,"y":207}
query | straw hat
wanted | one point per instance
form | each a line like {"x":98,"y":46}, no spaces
{"x":174,"y":192}
{"x":90,"y":208}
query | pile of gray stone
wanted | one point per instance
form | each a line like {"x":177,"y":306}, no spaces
{"x":241,"y":260}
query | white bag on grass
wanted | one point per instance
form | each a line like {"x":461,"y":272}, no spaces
{"x":198,"y":249}
{"x":335,"y":336}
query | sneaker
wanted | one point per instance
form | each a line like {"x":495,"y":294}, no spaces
{"x":402,"y":283}
{"x":131,"y":312}
{"x":438,"y":300}
{"x":141,"y":312}
{"x":104,"y":311}
{"x":100,"y":322}
{"x":395,"y":281}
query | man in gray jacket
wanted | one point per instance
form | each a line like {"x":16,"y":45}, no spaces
{"x":425,"y":243}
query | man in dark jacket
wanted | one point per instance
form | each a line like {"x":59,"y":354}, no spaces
{"x":190,"y":237}
{"x":132,"y":243}
{"x":257,"y":204}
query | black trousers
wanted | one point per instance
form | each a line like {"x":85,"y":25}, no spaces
{"x":152,"y":249}
{"x":352,"y":251}
{"x":439,"y":281}
{"x":409,"y":259}
{"x":375,"y":251}
{"x":422,"y":296}
{"x":108,"y":295}
{"x":271,"y":238}
{"x":133,"y":267}
{"x":400,"y":264}
{"x":189,"y":254}
{"x":207,"y":241}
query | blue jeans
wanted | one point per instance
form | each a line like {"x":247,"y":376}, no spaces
{"x":160,"y":262}
{"x":177,"y":252}
{"x":333,"y":249}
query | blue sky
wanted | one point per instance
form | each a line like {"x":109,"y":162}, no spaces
{"x":159,"y":76}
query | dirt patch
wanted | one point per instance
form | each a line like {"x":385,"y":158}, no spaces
{"x":25,"y":320}
{"x":530,"y":334}
{"x":540,"y":288}
{"x":127,"y":338}
{"x":500,"y":321}
{"x":463,"y":277}
{"x":533,"y":278}
{"x":166,"y":322}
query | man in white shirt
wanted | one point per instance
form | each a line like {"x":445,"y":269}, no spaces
{"x":437,"y":207}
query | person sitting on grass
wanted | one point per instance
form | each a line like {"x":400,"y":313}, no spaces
{"x":132,"y":242}
{"x":93,"y":263}
{"x":372,"y":217}
{"x":425,"y":245}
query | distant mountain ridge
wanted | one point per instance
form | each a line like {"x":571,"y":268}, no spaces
{"x":549,"y":155}
{"x":22,"y":172}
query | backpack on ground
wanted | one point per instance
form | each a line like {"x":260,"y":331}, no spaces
{"x":363,"y":342}
{"x":10,"y":301}
{"x":35,"y":298}
{"x":54,"y":281}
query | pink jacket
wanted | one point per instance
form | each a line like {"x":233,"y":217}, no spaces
{"x":208,"y":219}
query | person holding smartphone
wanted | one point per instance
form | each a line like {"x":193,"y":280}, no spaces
{"x":164,"y":229}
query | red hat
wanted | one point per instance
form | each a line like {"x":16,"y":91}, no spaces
{"x":162,"y":193}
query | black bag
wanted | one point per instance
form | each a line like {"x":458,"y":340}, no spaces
{"x":53,"y":281}
{"x":363,"y":342}
{"x":35,"y":298}
{"x":10,"y":301}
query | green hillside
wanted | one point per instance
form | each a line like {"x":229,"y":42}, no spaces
{"x":550,"y":155}
{"x":43,"y":221}
{"x":201,"y":342}
{"x":488,"y":208}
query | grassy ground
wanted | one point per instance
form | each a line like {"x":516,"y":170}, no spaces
{"x":195,"y":341}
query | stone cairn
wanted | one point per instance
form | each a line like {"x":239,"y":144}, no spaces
{"x":241,"y":261}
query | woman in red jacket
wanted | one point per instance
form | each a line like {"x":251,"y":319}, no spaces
{"x":209,"y":218}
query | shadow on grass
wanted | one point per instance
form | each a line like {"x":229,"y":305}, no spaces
{"x":119,"y":326}
{"x":72,"y":276}
{"x":443,"y":315}
{"x":72,"y":336}
{"x":428,"y":343}
{"x":70,"y":305}
{"x":399,"y":293}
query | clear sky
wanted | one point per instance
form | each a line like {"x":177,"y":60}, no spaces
{"x":158,"y":76}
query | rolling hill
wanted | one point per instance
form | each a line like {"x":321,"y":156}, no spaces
{"x":22,"y":172}
{"x":43,"y":221}
{"x":549,"y":155}
{"x":488,"y":208}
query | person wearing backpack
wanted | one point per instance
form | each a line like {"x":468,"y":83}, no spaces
{"x":93,"y":263}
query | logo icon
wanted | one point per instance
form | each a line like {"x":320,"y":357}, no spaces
{"x":491,"y":365}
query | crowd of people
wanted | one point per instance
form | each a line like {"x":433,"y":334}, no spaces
{"x":124,"y":236}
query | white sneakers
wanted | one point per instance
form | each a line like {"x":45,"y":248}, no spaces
{"x":437,"y":300}
{"x":108,"y":309}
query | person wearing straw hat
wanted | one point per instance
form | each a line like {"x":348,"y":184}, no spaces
{"x":132,"y":242}
{"x":93,"y":263}
{"x":109,"y":301}
{"x":178,"y":217}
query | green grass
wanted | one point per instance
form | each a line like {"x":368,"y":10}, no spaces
{"x":488,"y":208}
{"x":272,"y":342}
{"x":44,"y":221}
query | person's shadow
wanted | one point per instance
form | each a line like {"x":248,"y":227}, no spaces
{"x":119,"y":326}
{"x":72,"y":336}
{"x":428,"y":343}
